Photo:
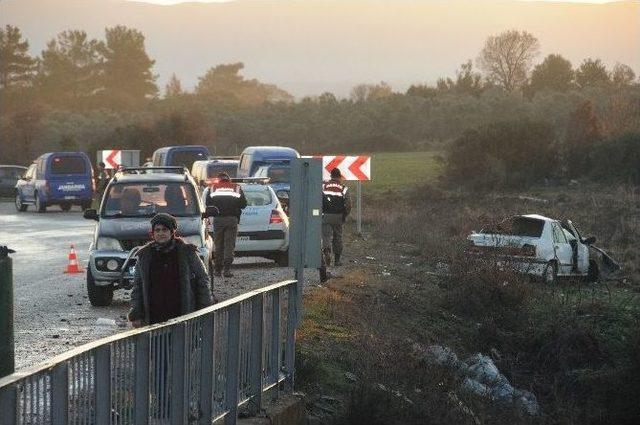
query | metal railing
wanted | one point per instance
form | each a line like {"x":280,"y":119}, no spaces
{"x":196,"y":369}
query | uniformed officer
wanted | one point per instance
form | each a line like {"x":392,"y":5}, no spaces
{"x":336,"y":205}
{"x":229,"y":199}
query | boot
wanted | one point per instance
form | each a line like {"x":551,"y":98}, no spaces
{"x":227,"y":271}
{"x":326,"y":255}
{"x":323,"y":274}
{"x":217,"y":271}
{"x":337,"y":261}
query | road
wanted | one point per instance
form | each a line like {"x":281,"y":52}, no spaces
{"x":52,"y":310}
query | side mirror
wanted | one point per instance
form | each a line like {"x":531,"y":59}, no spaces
{"x":90,"y":214}
{"x":211,"y":211}
{"x":590,"y":240}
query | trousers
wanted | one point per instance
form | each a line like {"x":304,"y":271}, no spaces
{"x":225,"y":230}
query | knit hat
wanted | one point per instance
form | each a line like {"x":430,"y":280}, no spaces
{"x":164,"y":219}
{"x":335,"y":173}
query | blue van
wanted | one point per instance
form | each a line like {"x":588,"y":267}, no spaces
{"x":56,"y":178}
{"x":254,"y":157}
{"x":179,"y":155}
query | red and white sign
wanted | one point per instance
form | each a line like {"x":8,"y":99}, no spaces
{"x":112,"y":159}
{"x":351,"y":167}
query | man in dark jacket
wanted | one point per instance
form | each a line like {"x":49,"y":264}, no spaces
{"x":229,"y":199}
{"x":336,"y":205}
{"x":170,"y":279}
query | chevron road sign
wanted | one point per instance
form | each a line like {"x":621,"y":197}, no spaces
{"x":112,"y":159}
{"x":353,"y":168}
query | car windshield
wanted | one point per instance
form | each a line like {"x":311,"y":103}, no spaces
{"x":214,"y":169}
{"x":148,"y":199}
{"x":68,"y":165}
{"x":186,"y":158}
{"x":279,"y":174}
{"x":518,"y":226}
{"x":257,"y":196}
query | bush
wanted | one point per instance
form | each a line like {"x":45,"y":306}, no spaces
{"x":503,"y":154}
{"x":617,"y":160}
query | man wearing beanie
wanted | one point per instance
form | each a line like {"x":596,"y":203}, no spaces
{"x":170,"y":279}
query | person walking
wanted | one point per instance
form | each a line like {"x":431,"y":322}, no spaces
{"x":229,"y":199}
{"x":170,"y":279}
{"x":336,"y":206}
{"x":102,"y":180}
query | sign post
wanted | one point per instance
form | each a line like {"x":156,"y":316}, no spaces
{"x":352,"y":168}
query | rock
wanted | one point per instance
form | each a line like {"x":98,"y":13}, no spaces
{"x":350,"y":376}
{"x":502,"y":392}
{"x":106,"y":322}
{"x":482,"y":369}
{"x":55,"y":336}
{"x":475,"y":387}
{"x":441,"y":355}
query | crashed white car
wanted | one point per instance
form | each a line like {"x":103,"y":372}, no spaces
{"x":543,"y":247}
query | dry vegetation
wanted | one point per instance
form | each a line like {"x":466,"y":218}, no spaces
{"x":574,"y":345}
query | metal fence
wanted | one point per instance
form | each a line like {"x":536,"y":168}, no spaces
{"x":196,"y":369}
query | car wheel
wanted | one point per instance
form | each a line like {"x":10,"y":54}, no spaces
{"x":282,"y":259}
{"x":40,"y":206}
{"x":594,"y":272}
{"x":19,"y":205}
{"x":65,"y":207}
{"x":550,"y":273}
{"x":99,"y":296}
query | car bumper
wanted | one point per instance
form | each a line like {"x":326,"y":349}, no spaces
{"x":524,"y":265}
{"x":272,"y":245}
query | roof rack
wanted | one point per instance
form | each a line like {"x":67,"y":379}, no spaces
{"x":214,"y":158}
{"x":168,"y":169}
{"x":254,"y":180}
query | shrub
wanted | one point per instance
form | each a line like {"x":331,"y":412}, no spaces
{"x":617,"y":160}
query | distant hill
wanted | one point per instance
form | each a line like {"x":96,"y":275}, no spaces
{"x":308,"y":47}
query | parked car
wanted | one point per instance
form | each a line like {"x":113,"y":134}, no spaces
{"x":263,"y":230}
{"x":56,"y":178}
{"x":132,"y":197}
{"x":254,"y":157}
{"x":9,"y":176}
{"x":205,"y":172}
{"x":179,"y":156}
{"x":543,"y":247}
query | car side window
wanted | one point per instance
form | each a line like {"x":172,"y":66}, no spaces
{"x":558,"y":234}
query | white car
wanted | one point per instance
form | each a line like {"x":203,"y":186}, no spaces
{"x":543,"y":247}
{"x":264,"y":227}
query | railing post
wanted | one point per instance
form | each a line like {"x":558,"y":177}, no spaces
{"x":256,"y":352}
{"x":141,"y":405}
{"x":290,"y":341}
{"x":275,"y":340}
{"x":206,"y":370}
{"x":233,"y":363}
{"x":8,"y":406}
{"x":60,"y":394}
{"x":178,"y":376}
{"x":103,"y":385}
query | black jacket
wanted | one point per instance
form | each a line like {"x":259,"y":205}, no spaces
{"x":194,"y":282}
{"x":228,"y":198}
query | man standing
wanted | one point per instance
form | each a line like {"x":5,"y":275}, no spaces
{"x":336,"y":205}
{"x":170,"y":279}
{"x":102,"y":180}
{"x":229,"y":199}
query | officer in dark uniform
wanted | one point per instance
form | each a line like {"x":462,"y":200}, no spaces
{"x":336,"y":205}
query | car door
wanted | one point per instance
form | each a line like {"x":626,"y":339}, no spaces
{"x":583,"y":250}
{"x":563,"y":250}
{"x":28,"y":183}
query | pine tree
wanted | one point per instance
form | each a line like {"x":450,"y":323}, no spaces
{"x":173,"y":87}
{"x":16,"y":66}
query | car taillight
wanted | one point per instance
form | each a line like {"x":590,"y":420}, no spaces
{"x":275,"y":217}
{"x":528,"y":250}
{"x":212,"y":181}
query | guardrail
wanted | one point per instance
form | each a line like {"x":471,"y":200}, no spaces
{"x":199,"y":368}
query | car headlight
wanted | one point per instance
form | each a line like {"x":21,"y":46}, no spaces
{"x":194,"y":240}
{"x":108,"y":244}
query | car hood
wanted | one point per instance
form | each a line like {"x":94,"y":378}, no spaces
{"x":135,"y":228}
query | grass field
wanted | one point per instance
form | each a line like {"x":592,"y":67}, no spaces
{"x":401,"y":171}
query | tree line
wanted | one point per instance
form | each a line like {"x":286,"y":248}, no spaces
{"x":90,"y":94}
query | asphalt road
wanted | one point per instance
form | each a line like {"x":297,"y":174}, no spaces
{"x":52,"y":311}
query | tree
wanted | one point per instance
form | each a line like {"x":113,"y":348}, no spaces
{"x":592,"y":73}
{"x":128,"y":77}
{"x":367,"y":92}
{"x":69,"y":71}
{"x":622,"y":75}
{"x":16,"y":66}
{"x":422,"y":90}
{"x":583,"y":132}
{"x":173,"y":87}
{"x":555,"y":73}
{"x":224,"y":83}
{"x":507,"y":58}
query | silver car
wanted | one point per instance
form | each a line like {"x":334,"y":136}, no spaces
{"x":130,"y":200}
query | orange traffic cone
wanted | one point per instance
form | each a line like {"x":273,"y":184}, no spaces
{"x":73,"y":266}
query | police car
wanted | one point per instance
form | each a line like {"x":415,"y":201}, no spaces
{"x":264,"y":227}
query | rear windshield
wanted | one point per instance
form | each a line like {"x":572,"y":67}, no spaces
{"x":186,"y":158}
{"x":68,"y":165}
{"x":214,"y":169}
{"x":257,"y":196}
{"x":279,"y":174}
{"x":148,"y":199}
{"x":518,"y":226}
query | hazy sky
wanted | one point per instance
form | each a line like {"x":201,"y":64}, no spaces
{"x":221,"y":1}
